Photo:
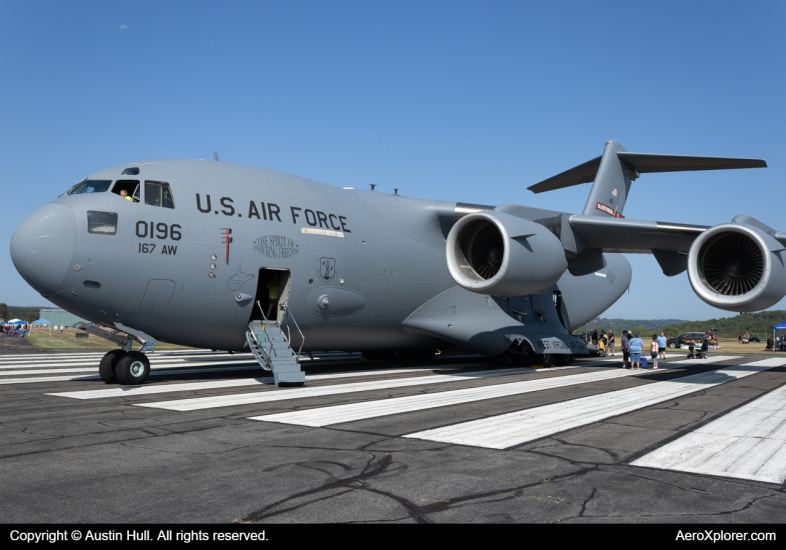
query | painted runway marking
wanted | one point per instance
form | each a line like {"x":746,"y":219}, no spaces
{"x":298,"y":393}
{"x":49,"y":356}
{"x":127,"y":391}
{"x":153,"y":361}
{"x":508,"y":430}
{"x":747,"y":443}
{"x":351,"y":412}
{"x":4,"y":381}
{"x":318,"y":391}
{"x":5,"y":371}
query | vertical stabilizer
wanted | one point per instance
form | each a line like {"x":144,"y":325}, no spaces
{"x":612,"y":184}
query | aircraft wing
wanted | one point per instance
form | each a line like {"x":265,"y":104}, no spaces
{"x":643,"y":236}
{"x":633,"y":236}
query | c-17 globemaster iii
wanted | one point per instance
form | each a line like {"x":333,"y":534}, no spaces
{"x":232,"y":257}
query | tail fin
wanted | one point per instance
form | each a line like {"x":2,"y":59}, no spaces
{"x":612,"y":183}
{"x":614,"y":170}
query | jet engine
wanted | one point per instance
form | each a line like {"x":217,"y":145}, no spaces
{"x":737,"y":267}
{"x":502,"y":255}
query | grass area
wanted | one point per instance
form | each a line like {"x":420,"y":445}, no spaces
{"x":40,"y":338}
{"x":731,"y":345}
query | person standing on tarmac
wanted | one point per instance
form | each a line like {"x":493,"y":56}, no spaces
{"x":611,"y":342}
{"x":654,"y":351}
{"x":662,"y":345}
{"x":625,"y":349}
{"x":636,"y":344}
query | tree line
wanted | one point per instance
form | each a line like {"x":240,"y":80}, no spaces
{"x":28,"y":314}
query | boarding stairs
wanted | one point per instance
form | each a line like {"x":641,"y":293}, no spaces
{"x":273,"y":351}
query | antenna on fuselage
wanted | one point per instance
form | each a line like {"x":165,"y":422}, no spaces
{"x":372,"y":185}
{"x":215,"y":157}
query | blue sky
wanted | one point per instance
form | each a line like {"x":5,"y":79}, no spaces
{"x":467,"y":101}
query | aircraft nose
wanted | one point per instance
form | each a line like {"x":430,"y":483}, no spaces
{"x":43,"y":246}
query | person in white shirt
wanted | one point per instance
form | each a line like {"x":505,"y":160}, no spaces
{"x":662,"y":345}
{"x":654,"y":351}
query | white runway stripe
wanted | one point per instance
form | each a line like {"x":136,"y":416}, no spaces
{"x":101,"y":353}
{"x":46,"y":371}
{"x":153,"y":361}
{"x":154,"y":369}
{"x":508,"y":430}
{"x":157,"y":360}
{"x":351,"y":412}
{"x":747,"y":443}
{"x":248,"y":398}
{"x":153,"y":365}
{"x":126,"y":391}
{"x":301,"y":393}
{"x":4,"y":381}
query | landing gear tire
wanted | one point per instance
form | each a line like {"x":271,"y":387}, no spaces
{"x":563,"y":360}
{"x":544,"y":359}
{"x":106,"y":368}
{"x":133,"y":368}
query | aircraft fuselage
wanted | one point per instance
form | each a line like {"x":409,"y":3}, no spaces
{"x":170,"y":273}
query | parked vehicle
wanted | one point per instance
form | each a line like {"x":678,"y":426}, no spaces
{"x":688,"y":338}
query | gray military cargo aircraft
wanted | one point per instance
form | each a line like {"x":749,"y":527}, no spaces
{"x":232,"y":257}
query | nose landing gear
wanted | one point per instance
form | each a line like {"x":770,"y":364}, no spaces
{"x":127,"y":368}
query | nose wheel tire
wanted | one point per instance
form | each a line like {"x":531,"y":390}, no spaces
{"x":106,"y":368}
{"x":563,"y":359}
{"x":132,"y":368}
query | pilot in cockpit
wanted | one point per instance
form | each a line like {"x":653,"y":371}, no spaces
{"x":125,"y":195}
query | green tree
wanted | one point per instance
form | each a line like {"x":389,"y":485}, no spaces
{"x":4,"y":311}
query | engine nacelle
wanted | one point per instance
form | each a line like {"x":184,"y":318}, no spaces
{"x":737,"y":267}
{"x":502,"y":255}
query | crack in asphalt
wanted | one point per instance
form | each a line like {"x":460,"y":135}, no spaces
{"x":611,"y":454}
{"x":352,"y":483}
{"x":119,"y":441}
{"x":686,"y":489}
{"x":721,"y":513}
{"x":589,"y":498}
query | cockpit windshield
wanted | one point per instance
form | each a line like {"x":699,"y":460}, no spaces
{"x":158,"y":193}
{"x":90,"y":186}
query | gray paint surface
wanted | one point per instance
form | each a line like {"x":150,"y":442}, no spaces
{"x":365,"y":266}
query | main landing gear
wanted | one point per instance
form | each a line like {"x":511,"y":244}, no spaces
{"x":124,"y":367}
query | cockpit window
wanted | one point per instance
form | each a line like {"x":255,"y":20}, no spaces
{"x":90,"y":186}
{"x":158,"y":193}
{"x":128,"y":189}
{"x":102,"y":223}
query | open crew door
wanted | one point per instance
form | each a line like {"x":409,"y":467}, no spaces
{"x":273,"y":286}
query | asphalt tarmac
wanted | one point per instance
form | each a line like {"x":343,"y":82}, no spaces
{"x":453,"y":440}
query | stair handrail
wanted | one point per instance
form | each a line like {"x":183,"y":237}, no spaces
{"x":302,"y":338}
{"x":262,"y":311}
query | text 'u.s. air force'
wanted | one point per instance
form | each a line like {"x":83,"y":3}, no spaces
{"x":268,"y":211}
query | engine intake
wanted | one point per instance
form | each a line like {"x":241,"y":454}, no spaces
{"x":502,"y":255}
{"x":737,"y":267}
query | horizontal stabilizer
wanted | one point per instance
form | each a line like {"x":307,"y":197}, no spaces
{"x":648,"y":162}
{"x":642,"y":163}
{"x":583,"y":173}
